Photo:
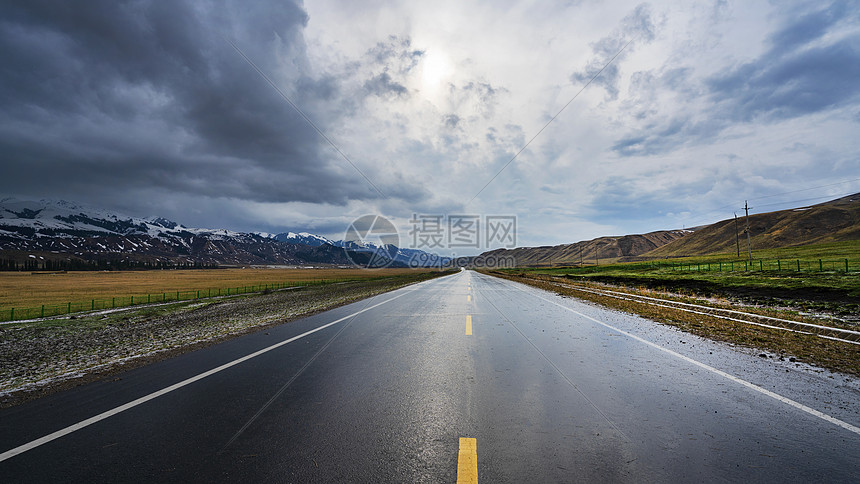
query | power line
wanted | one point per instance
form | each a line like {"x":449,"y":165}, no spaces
{"x":806,"y":189}
{"x":733,"y":206}
{"x":749,"y":244}
{"x":730,"y":205}
{"x":550,"y":121}
{"x":825,"y":197}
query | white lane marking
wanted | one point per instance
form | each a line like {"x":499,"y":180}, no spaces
{"x":633,"y":297}
{"x":799,"y":323}
{"x":776,"y":396}
{"x":110,"y":413}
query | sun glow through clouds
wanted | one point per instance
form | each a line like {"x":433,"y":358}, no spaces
{"x":436,"y":68}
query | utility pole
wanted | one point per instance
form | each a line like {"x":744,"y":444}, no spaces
{"x":749,"y":246}
{"x":737,"y":237}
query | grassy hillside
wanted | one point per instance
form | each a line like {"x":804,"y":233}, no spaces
{"x":830,"y":222}
{"x":834,"y":221}
{"x":604,"y":249}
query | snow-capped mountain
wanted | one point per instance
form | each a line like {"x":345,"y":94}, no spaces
{"x":303,"y":238}
{"x":68,"y":235}
{"x":405,"y":256}
{"x":380,"y":252}
{"x":51,"y":218}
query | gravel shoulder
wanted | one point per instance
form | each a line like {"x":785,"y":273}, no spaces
{"x":795,"y":348}
{"x":45,"y":356}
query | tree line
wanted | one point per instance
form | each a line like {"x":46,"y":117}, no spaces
{"x":8,"y":264}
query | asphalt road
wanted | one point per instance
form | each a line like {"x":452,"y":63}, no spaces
{"x":550,"y":389}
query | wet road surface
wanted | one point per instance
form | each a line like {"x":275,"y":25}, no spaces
{"x":383,"y":390}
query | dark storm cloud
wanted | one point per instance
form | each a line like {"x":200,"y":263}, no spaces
{"x":676,"y":131}
{"x":802,"y":72}
{"x":382,"y":85}
{"x":388,"y":62}
{"x":108,"y":97}
{"x":796,"y":84}
{"x":806,"y":27}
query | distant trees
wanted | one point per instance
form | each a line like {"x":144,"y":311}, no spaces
{"x":9,"y":264}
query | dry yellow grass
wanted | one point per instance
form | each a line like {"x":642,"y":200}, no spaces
{"x":25,"y":289}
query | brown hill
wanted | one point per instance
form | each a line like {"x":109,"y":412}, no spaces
{"x":591,"y":251}
{"x":833,"y":221}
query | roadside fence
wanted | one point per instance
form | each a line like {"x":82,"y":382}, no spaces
{"x":763,"y":265}
{"x":47,"y":310}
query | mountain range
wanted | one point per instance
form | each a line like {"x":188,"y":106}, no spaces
{"x":607,"y":249}
{"x":833,"y":221}
{"x":51,"y":234}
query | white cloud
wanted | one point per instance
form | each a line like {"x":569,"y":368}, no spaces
{"x":711,"y":103}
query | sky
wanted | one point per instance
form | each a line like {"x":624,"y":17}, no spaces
{"x":580,"y":119}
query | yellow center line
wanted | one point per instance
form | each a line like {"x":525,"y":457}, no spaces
{"x":468,"y":325}
{"x":468,"y":297}
{"x":467,"y":461}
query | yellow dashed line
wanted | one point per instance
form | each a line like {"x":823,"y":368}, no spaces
{"x":467,"y":462}
{"x":468,"y":298}
{"x":468,"y":324}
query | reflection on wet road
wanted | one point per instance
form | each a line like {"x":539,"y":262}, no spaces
{"x":449,"y":380}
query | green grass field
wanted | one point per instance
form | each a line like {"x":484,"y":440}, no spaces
{"x":822,"y":281}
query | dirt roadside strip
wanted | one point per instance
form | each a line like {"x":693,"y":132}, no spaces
{"x":817,"y":342}
{"x":829,"y":332}
{"x":41,"y":357}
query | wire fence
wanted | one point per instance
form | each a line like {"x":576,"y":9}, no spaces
{"x":48,"y":310}
{"x":768,"y":265}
